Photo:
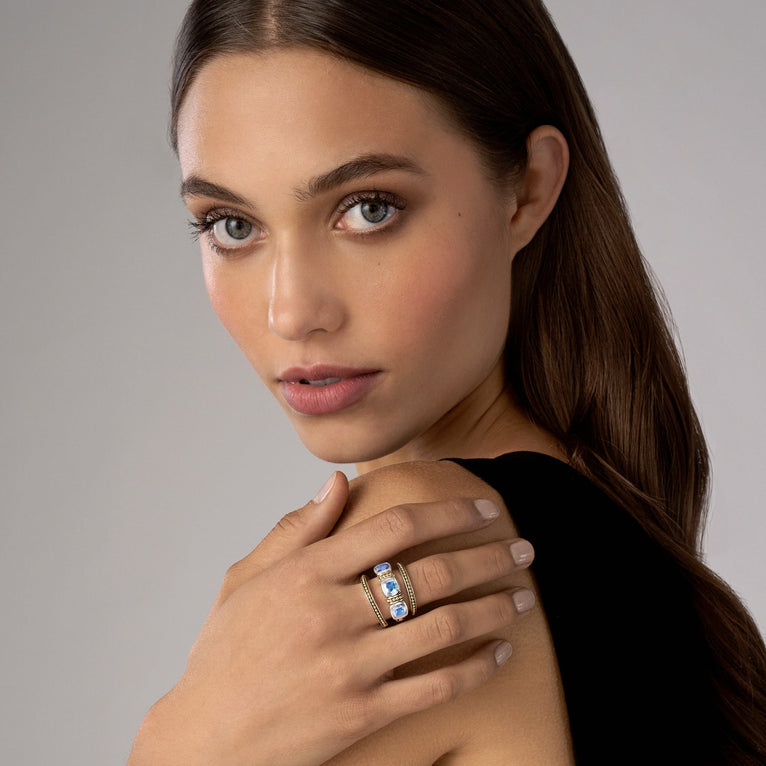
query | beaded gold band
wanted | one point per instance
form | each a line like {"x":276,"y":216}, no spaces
{"x":381,"y":619}
{"x":392,"y":592}
{"x":408,"y":587}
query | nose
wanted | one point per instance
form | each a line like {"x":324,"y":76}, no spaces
{"x":303,"y":299}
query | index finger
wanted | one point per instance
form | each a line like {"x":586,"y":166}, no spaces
{"x":400,"y":527}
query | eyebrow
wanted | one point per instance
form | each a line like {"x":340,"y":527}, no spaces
{"x":360,"y":167}
{"x":194,"y":186}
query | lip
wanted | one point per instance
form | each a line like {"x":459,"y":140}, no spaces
{"x":352,"y":385}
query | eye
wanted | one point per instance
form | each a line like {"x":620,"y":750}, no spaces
{"x":231,"y":232}
{"x":367,"y":212}
{"x":226,"y":231}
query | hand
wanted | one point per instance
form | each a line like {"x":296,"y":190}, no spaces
{"x":291,"y":666}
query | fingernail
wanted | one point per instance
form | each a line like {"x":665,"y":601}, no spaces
{"x":503,"y":652}
{"x":522,"y":552}
{"x":523,"y":600}
{"x":326,"y":487}
{"x":487,"y":509}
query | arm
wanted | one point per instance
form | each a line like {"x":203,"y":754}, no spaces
{"x":519,"y":716}
{"x":290,"y":666}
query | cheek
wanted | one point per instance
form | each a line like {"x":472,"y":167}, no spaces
{"x":234,"y":301}
{"x":455,"y":301}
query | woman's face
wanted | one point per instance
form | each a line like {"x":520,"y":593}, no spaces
{"x":353,"y":247}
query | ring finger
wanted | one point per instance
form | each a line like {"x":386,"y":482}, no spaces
{"x":446,"y":574}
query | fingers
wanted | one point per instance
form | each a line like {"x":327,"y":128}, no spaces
{"x":437,"y":577}
{"x":445,"y":574}
{"x":411,"y":695}
{"x":292,"y":532}
{"x":451,"y":624}
{"x":401,"y":527}
{"x":308,"y":524}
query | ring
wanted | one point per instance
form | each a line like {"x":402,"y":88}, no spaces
{"x":408,"y":586}
{"x":392,"y":592}
{"x":371,"y":599}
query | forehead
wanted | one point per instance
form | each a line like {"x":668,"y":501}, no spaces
{"x":299,"y":108}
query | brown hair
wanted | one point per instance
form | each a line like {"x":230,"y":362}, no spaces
{"x":590,"y":352}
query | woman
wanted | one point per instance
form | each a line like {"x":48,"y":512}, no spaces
{"x":410,"y":226}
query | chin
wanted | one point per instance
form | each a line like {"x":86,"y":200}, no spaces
{"x":341,"y":453}
{"x":340,"y":447}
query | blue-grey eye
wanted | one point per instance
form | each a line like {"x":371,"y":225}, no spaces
{"x":374,"y":212}
{"x":230,"y":233}
{"x":369,"y":212}
{"x":238,"y":229}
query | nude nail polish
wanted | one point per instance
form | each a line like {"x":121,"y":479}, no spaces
{"x":487,"y":509}
{"x":523,"y":600}
{"x":326,"y":487}
{"x":522,"y":552}
{"x":503,"y":652}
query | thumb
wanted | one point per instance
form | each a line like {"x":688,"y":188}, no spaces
{"x":292,"y":532}
{"x":320,"y":515}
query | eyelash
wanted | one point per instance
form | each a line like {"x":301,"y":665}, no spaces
{"x":360,"y":198}
{"x":203,"y":226}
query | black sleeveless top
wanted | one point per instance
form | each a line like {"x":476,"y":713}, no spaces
{"x":630,"y":650}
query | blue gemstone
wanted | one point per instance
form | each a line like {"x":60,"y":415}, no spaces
{"x":383,"y":568}
{"x":399,"y":610}
{"x":390,"y":587}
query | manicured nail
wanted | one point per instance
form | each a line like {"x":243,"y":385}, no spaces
{"x":326,"y":487}
{"x":487,"y":509}
{"x":503,"y":652}
{"x":522,"y":552}
{"x":523,"y":600}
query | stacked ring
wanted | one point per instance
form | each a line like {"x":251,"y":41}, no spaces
{"x":391,"y":590}
{"x":381,"y":619}
{"x":408,"y":586}
{"x":392,"y":593}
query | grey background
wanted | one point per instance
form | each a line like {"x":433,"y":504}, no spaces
{"x":139,"y":455}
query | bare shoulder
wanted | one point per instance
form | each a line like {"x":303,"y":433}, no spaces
{"x":519,"y":716}
{"x":414,"y":482}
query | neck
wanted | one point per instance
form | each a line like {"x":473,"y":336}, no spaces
{"x":487,"y":423}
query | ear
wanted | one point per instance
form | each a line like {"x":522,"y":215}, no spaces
{"x":541,"y":184}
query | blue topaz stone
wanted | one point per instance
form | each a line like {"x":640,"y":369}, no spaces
{"x":399,"y":610}
{"x":390,"y":587}
{"x":382,"y":569}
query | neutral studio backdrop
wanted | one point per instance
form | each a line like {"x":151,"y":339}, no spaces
{"x":139,"y":456}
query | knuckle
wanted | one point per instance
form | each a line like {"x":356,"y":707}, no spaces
{"x":290,"y":524}
{"x":437,"y":576}
{"x":354,"y":715}
{"x":458,"y":509}
{"x":443,"y":687}
{"x":479,"y":673}
{"x":505,"y":610}
{"x":446,"y":626}
{"x":500,"y":560}
{"x":398,"y":523}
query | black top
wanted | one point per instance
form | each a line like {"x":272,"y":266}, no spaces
{"x":630,"y":649}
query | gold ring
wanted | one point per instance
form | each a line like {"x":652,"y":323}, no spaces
{"x":381,"y":619}
{"x":408,"y":586}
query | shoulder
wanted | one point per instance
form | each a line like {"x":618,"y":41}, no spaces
{"x":520,"y":716}
{"x":413,"y":482}
{"x":404,"y":484}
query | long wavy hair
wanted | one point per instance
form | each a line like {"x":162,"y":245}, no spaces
{"x":591,"y":355}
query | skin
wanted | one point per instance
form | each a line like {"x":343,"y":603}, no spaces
{"x":425,"y":300}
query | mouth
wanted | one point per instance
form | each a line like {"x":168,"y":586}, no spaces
{"x":324,"y":389}
{"x":325,"y":382}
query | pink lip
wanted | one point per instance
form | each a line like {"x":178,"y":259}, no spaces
{"x":352,"y":386}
